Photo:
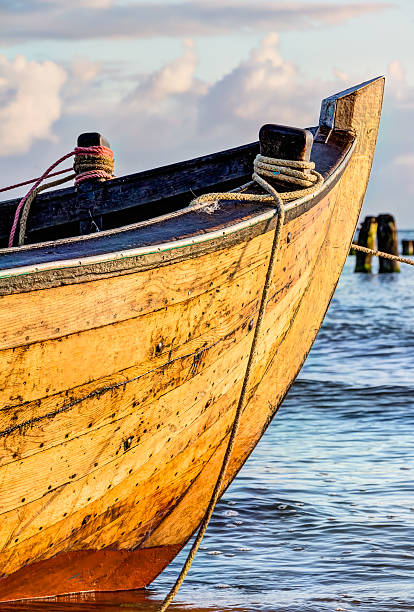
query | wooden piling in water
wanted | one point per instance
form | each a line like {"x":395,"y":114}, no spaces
{"x":387,"y":242}
{"x":407,"y":247}
{"x":366,"y":238}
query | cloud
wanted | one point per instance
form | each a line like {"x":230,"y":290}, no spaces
{"x":341,"y":75}
{"x":91,"y":19}
{"x":404,"y":160}
{"x":175,"y":78}
{"x":391,"y":186}
{"x":18,"y":7}
{"x":165,"y":115}
{"x":170,"y":114}
{"x":263,"y":88}
{"x":29,"y":102}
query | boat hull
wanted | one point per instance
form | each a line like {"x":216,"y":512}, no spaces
{"x":121,"y":390}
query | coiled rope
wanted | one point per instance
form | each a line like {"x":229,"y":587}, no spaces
{"x":357,"y":247}
{"x":96,"y":162}
{"x":298,"y":177}
{"x":300,"y":173}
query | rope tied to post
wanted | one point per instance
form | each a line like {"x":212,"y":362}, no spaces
{"x":290,"y":171}
{"x":95,"y":162}
{"x":276,"y":198}
{"x":300,"y":173}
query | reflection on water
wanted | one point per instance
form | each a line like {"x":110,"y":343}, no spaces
{"x":139,"y":601}
{"x":321,"y":518}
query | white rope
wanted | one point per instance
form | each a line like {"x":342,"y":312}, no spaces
{"x":280,"y":217}
{"x":300,"y":173}
{"x":290,"y":171}
{"x":297,"y":177}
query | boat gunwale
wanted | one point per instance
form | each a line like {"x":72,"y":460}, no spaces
{"x":112,"y":256}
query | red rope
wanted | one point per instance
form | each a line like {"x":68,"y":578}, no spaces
{"x":34,"y":180}
{"x":97,"y":150}
{"x":92,"y":174}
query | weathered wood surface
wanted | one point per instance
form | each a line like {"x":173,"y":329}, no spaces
{"x":361,"y":111}
{"x":367,"y":238}
{"x":387,"y":240}
{"x":138,"y":190}
{"x":118,"y":391}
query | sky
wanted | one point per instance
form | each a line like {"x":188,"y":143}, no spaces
{"x":167,"y":80}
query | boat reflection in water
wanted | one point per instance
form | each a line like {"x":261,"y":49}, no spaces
{"x":139,"y":600}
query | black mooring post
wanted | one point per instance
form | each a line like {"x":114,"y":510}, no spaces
{"x":366,"y":238}
{"x":86,"y":190}
{"x":284,"y":142}
{"x":387,"y":243}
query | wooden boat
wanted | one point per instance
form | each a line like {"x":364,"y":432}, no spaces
{"x":123,"y":351}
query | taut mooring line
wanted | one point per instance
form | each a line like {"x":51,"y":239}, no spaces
{"x":302,"y":174}
{"x":357,"y":247}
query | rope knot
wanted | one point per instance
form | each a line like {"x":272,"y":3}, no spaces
{"x":93,"y":163}
{"x":301,"y":173}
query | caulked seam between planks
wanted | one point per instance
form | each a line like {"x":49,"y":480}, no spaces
{"x":186,"y":300}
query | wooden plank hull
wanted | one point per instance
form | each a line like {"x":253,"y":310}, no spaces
{"x":119,"y":392}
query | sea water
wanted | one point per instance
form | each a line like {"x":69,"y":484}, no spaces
{"x":321,"y":517}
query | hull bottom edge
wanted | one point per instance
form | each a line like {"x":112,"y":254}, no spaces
{"x":87,"y":571}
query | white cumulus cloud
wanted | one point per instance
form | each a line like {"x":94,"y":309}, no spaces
{"x":265,"y":88}
{"x":30,"y":102}
{"x":175,"y":78}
